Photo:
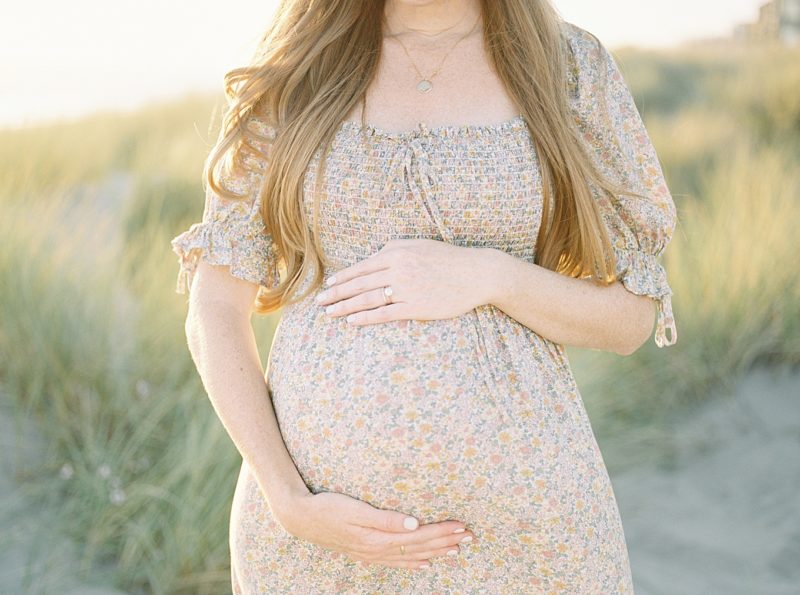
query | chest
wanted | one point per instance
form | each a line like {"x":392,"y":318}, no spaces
{"x":467,"y":185}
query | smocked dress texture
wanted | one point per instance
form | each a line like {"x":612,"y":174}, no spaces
{"x":475,"y":418}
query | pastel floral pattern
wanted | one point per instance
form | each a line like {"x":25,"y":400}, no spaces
{"x":477,"y":417}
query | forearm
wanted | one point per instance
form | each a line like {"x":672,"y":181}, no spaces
{"x":223,"y":347}
{"x":567,"y":310}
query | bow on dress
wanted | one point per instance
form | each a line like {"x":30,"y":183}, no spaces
{"x":411,"y":164}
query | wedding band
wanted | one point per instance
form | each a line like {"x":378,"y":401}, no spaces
{"x":387,"y":294}
{"x":403,"y":550}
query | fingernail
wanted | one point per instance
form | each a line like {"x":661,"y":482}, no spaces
{"x":424,"y":566}
{"x":452,"y":552}
{"x":459,"y":530}
{"x":321,"y":296}
{"x":410,"y":523}
{"x":467,"y":538}
{"x":331,"y":280}
{"x":330,"y":308}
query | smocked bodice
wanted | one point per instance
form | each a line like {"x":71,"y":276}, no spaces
{"x":466,"y":185}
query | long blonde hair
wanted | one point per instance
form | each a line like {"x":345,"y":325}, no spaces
{"x":314,"y":64}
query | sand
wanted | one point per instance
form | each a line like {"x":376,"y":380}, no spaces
{"x":724,"y":516}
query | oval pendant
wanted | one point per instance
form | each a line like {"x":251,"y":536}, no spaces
{"x":424,"y":86}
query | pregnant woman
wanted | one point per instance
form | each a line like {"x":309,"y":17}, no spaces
{"x":439,"y":195}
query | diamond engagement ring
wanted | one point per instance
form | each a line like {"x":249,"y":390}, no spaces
{"x":387,"y":294}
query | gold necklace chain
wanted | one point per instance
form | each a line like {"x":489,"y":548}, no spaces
{"x":425,"y":84}
{"x":420,"y":32}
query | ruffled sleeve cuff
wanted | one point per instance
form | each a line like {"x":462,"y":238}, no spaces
{"x":251,"y":257}
{"x":642,"y":274}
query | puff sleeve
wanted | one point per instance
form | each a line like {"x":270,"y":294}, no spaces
{"x":611,"y":126}
{"x":231,"y":232}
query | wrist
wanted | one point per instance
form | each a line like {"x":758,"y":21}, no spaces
{"x":283,"y":497}
{"x":290,"y":509}
{"x":490,"y":267}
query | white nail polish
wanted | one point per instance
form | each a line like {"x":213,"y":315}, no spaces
{"x":466,"y":539}
{"x":410,"y":523}
{"x":331,"y":280}
{"x":459,"y":530}
{"x":452,"y":552}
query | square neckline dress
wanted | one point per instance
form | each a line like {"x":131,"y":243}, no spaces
{"x":476,"y":418}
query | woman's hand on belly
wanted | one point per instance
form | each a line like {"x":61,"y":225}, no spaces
{"x":430,"y":280}
{"x":367,"y":534}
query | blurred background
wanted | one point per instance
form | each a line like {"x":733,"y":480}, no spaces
{"x":115,"y":474}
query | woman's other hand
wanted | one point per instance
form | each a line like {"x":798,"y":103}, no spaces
{"x":367,"y":534}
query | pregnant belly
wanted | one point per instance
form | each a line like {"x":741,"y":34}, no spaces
{"x":433,"y":415}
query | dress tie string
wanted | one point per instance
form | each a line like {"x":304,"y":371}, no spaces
{"x":411,"y":164}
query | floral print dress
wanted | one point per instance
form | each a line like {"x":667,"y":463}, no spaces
{"x":475,"y":418}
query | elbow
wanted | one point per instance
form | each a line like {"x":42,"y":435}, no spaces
{"x":639,"y":328}
{"x":188,"y":330}
{"x":629,"y":348}
{"x":632,"y":346}
{"x":191,"y":331}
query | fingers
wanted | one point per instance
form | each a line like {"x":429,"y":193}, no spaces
{"x":380,"y":314}
{"x":382,"y":532}
{"x":388,"y":520}
{"x":431,"y":547}
{"x":393,"y":521}
{"x":361,"y":302}
{"x":362,"y":291}
{"x":429,"y":540}
{"x":426,"y":555}
{"x":419,"y":559}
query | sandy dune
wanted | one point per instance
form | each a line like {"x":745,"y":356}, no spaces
{"x":725,"y":516}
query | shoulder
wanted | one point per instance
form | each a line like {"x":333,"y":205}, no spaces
{"x":581,"y":44}
{"x":588,"y":62}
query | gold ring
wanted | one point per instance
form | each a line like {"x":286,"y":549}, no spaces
{"x":403,"y":550}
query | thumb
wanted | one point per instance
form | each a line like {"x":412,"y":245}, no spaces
{"x":391,"y":520}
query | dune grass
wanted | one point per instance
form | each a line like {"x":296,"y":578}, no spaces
{"x":92,"y":344}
